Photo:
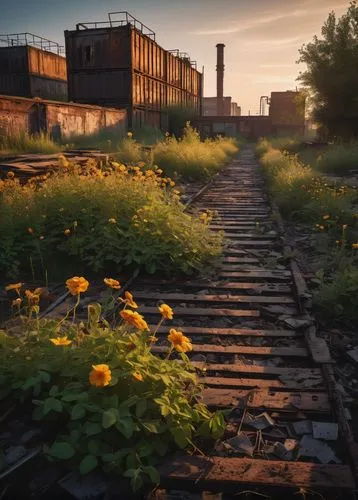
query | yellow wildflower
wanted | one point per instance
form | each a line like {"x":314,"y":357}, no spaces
{"x":137,"y":376}
{"x":112,"y":221}
{"x":179,"y":341}
{"x":129,"y":135}
{"x":67,"y":232}
{"x":32,"y":298}
{"x":61,"y":341}
{"x":152,"y":338}
{"x":166,"y":311}
{"x":30,"y":230}
{"x":321,"y":228}
{"x":17,"y":302}
{"x":111,"y":283}
{"x":344,"y":227}
{"x":10,"y":175}
{"x":134,"y":319}
{"x":100,"y":375}
{"x":129,"y":300}
{"x":326,"y":217}
{"x":77,"y":285}
{"x":355,"y":245}
{"x":13,"y":286}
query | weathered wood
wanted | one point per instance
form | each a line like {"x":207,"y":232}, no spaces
{"x":304,"y":373}
{"x":226,"y":472}
{"x":256,"y":274}
{"x":223,"y":285}
{"x":294,"y":352}
{"x":190,"y":297}
{"x":242,"y":382}
{"x":279,"y":400}
{"x":230,"y":332}
{"x":201,"y":311}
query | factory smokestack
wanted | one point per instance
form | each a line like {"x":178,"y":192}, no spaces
{"x":220,"y":79}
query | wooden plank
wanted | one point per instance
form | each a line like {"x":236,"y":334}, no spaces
{"x":256,"y":273}
{"x":191,"y":297}
{"x":272,"y":400}
{"x":253,"y":243}
{"x":294,"y":352}
{"x":304,"y":373}
{"x":233,"y":332}
{"x":202,"y":311}
{"x":225,"y":472}
{"x":221,"y":285}
{"x":257,"y":236}
{"x":242,"y":382}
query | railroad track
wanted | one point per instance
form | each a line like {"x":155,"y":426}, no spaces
{"x":256,"y":350}
{"x":257,"y":353}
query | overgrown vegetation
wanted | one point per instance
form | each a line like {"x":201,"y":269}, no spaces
{"x":338,"y":158}
{"x":95,"y":218}
{"x":26,"y":143}
{"x":115,"y":406}
{"x":331,"y":212}
{"x":189,"y":157}
{"x":331,"y":77}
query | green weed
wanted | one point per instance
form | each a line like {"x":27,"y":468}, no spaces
{"x":26,"y":143}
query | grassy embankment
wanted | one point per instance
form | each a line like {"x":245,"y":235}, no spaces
{"x":305,"y":196}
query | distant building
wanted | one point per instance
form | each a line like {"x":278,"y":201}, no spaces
{"x":286,"y":114}
{"x":118,"y":63}
{"x":210,"y":107}
{"x":235,"y":109}
{"x":32,"y":66}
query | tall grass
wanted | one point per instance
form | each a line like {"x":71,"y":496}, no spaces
{"x":329,"y":212}
{"x":191,"y":158}
{"x":338,"y":158}
{"x":26,"y":143}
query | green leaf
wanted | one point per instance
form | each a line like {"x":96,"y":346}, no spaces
{"x":141,"y":407}
{"x":125,"y":427}
{"x":52,"y":404}
{"x":109,"y":418}
{"x":45,"y":377}
{"x":135,"y":476}
{"x":54,"y":390}
{"x":75,"y":396}
{"x":152,"y":426}
{"x":61,"y":450}
{"x":78,"y":411}
{"x":94,"y":314}
{"x":153,"y":474}
{"x":88,"y":463}
{"x":92,"y":428}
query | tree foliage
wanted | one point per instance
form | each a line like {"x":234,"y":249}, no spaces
{"x":332,"y":74}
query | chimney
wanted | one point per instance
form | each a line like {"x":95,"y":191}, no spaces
{"x":220,"y":79}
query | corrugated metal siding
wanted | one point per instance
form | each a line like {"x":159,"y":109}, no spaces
{"x":14,"y":75}
{"x":46,"y":64}
{"x":155,"y":77}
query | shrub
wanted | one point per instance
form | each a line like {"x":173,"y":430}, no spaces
{"x":106,"y":139}
{"x":336,"y":300}
{"x":130,"y":151}
{"x":148,"y":135}
{"x":26,"y":143}
{"x":338,"y":158}
{"x":114,"y":404}
{"x":262,"y":147}
{"x":93,"y":219}
{"x":191,"y":158}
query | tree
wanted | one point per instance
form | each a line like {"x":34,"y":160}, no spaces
{"x":331,"y":76}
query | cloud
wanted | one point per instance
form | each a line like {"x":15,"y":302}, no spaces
{"x":266,"y":20}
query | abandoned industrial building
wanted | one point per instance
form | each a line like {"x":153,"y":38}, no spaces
{"x":118,"y":64}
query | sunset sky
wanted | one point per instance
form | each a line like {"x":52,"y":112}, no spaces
{"x":262,"y":37}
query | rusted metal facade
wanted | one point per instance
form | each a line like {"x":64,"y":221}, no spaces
{"x":29,"y":68}
{"x":59,"y":119}
{"x":119,"y":63}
